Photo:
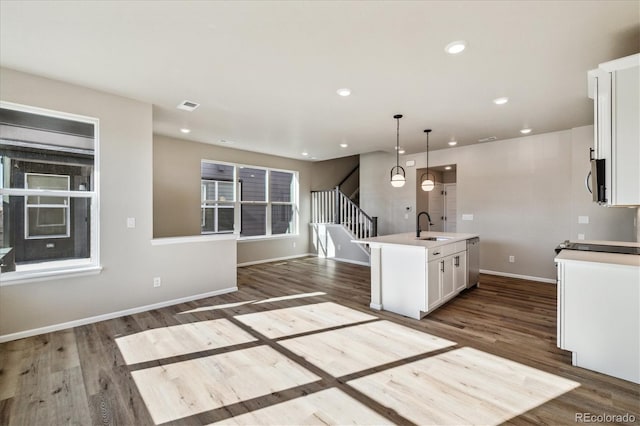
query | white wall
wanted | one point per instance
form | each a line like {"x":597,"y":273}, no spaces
{"x":525,"y":195}
{"x":129,"y":260}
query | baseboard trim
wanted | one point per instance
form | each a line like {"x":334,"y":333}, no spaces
{"x":375,"y":306}
{"x":112,"y":315}
{"x":275,"y":259}
{"x":355,"y":262}
{"x":524,"y":277}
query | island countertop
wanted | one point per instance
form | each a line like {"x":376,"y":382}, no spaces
{"x":409,"y":239}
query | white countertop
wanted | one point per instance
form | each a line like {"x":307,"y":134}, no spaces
{"x":409,"y":239}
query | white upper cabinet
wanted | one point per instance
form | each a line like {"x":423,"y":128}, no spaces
{"x":615,"y":88}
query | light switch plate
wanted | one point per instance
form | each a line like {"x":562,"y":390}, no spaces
{"x":131,"y":222}
{"x":410,"y":163}
{"x":583,"y":219}
{"x":467,"y":217}
{"x":581,"y":236}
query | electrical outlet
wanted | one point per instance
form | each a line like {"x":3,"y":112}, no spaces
{"x":512,"y":259}
{"x":581,"y":236}
{"x":339,"y":247}
{"x":294,"y":244}
{"x":131,"y":222}
{"x":157,"y":282}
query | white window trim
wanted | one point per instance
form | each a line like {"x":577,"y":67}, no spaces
{"x":218,"y":205}
{"x":57,"y":269}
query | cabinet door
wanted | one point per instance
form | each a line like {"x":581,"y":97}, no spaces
{"x":448,"y":287}
{"x":625,"y":185}
{"x":434,"y":286}
{"x":460,"y":271}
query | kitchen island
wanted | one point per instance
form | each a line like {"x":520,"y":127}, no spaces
{"x":413,"y":276}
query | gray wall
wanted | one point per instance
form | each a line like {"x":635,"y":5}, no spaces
{"x":176,"y":194}
{"x":525,"y":194}
{"x":129,"y":260}
{"x":327,"y":174}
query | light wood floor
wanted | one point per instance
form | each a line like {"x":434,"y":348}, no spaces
{"x":297,"y":344}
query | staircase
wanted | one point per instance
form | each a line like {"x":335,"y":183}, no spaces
{"x":334,"y":207}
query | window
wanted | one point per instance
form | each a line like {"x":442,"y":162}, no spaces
{"x":282,"y":190}
{"x":48,"y":188}
{"x":251,"y":201}
{"x":217,"y":206}
{"x":46,"y":217}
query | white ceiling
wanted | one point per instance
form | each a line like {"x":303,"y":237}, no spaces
{"x":266,"y":73}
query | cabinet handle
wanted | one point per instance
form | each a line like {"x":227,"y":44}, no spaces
{"x":442,"y":266}
{"x":591,"y":151}
{"x":436,"y":253}
{"x":596,"y":121}
{"x":457,"y":258}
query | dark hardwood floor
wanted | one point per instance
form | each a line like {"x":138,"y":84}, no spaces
{"x":80,"y":376}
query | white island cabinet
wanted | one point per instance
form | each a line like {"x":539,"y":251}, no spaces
{"x":411,"y":276}
{"x":599,"y":311}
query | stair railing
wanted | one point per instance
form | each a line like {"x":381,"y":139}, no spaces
{"x":333,"y":206}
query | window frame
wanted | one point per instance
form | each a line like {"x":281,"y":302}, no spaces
{"x":66,"y":206}
{"x":237,"y":203}
{"x":55,"y":268}
{"x":216,"y":206}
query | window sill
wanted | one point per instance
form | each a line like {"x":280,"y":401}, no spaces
{"x":193,"y":239}
{"x":27,"y":275}
{"x":266,"y":238}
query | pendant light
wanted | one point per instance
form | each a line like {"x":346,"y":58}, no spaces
{"x":398,"y":178}
{"x":427,"y":178}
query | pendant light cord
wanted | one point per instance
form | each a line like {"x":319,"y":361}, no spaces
{"x":398,"y":142}
{"x":428,"y":155}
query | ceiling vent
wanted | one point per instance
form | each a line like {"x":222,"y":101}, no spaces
{"x":188,"y":105}
{"x":489,"y":139}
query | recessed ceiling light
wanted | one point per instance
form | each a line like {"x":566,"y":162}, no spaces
{"x":448,"y":168}
{"x":501,"y":101}
{"x":525,"y":131}
{"x":304,"y":154}
{"x":453,"y":143}
{"x":314,"y":158}
{"x":401,"y":151}
{"x":343,"y":145}
{"x":344,"y":91}
{"x":455,"y":47}
{"x":185,"y":130}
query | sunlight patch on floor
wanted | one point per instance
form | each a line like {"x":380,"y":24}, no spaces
{"x":213,"y":308}
{"x":463,"y":386}
{"x":360,"y":347}
{"x":291,"y":297}
{"x":180,"y":339}
{"x":327,"y":407}
{"x":301,"y":319}
{"x":186,"y":388}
